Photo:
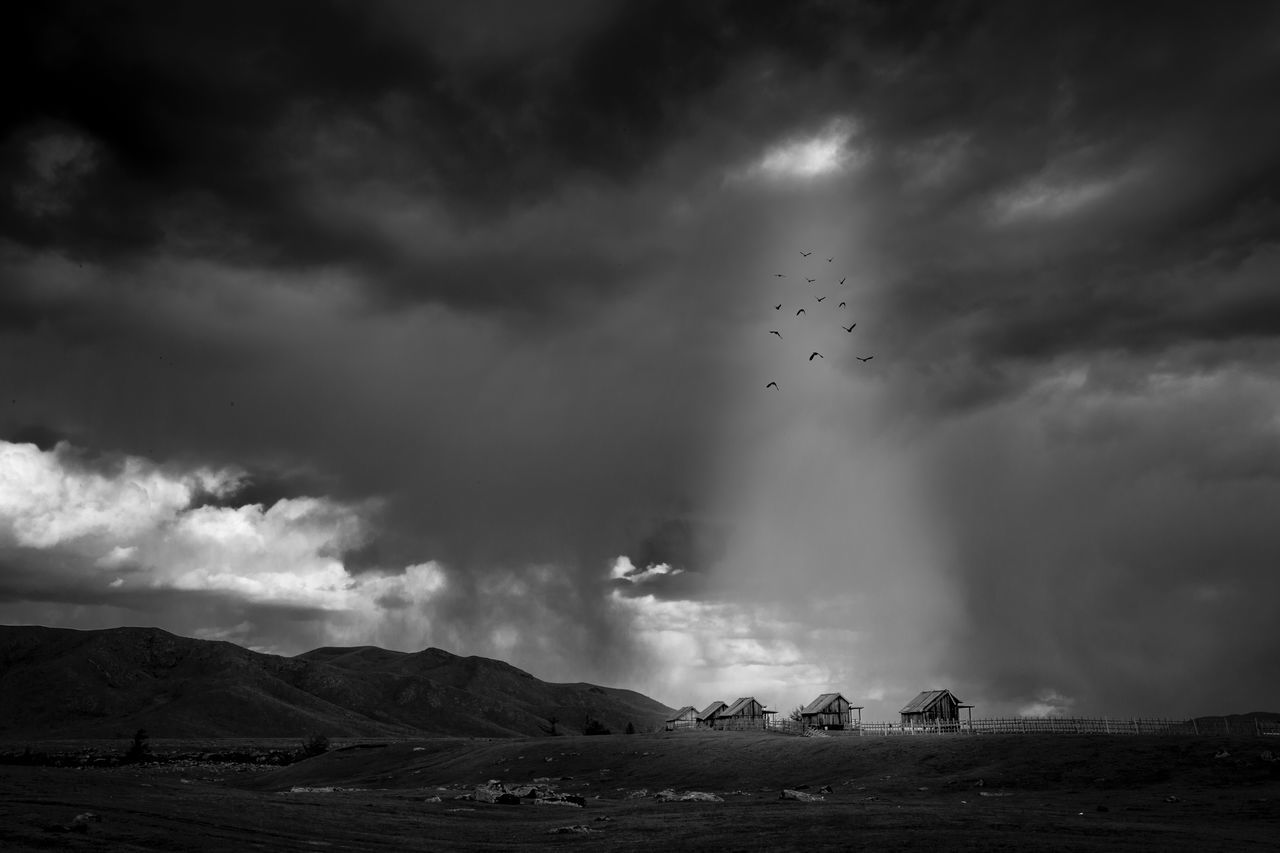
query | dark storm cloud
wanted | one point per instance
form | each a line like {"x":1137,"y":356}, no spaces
{"x":1113,"y":169}
{"x":199,"y":128}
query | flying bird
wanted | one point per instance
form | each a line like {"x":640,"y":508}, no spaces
{"x":801,"y":311}
{"x":775,"y":332}
{"x":820,"y":298}
{"x":842,"y":280}
{"x":829,"y":260}
{"x":806,"y":254}
{"x":860,"y":358}
{"x":848,"y":328}
{"x":778,"y":275}
{"x":816,"y":354}
{"x":811,"y":280}
{"x":842,"y":304}
{"x":772,"y":385}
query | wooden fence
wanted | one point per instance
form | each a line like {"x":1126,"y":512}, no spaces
{"x":1030,"y":725}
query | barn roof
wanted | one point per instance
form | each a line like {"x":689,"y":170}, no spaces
{"x":926,"y":700}
{"x":817,"y":705}
{"x":680,"y":715}
{"x":739,"y":705}
{"x":714,"y":708}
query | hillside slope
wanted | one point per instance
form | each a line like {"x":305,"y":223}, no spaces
{"x":64,"y":683}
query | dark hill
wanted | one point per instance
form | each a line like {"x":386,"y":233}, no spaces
{"x":63,"y":683}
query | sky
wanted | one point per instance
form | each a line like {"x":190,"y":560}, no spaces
{"x":436,"y":324}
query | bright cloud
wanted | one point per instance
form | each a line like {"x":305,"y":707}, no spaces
{"x":45,"y":500}
{"x":822,"y":153}
{"x":138,"y":518}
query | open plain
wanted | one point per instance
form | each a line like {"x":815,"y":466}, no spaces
{"x":936,"y":793}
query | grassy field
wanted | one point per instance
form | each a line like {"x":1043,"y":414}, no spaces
{"x":949,"y":792}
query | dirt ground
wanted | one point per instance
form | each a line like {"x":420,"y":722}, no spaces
{"x":935,"y":793}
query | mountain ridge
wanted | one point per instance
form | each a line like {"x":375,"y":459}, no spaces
{"x":63,"y":682}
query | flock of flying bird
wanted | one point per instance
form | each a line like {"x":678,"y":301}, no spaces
{"x":801,"y":312}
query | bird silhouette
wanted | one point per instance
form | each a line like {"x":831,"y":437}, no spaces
{"x":842,"y":280}
{"x":772,"y":385}
{"x":860,"y":358}
{"x":778,"y":307}
{"x":806,"y":254}
{"x":848,"y":328}
{"x":811,"y":280}
{"x":829,"y":260}
{"x":820,"y":298}
{"x":801,"y":311}
{"x":778,"y":275}
{"x":817,"y":355}
{"x":775,"y":332}
{"x":842,"y":304}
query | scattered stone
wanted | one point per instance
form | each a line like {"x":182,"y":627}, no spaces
{"x":826,"y":789}
{"x":85,"y":818}
{"x":979,"y":784}
{"x":793,"y":794}
{"x":1267,"y":756}
{"x":566,"y":830}
{"x":460,"y":810}
{"x":527,"y":792}
{"x":638,"y":794}
{"x":435,"y":799}
{"x":1172,"y":799}
{"x":995,"y":793}
{"x":700,"y":797}
{"x":1222,"y":753}
{"x":571,"y":800}
{"x":603,"y":819}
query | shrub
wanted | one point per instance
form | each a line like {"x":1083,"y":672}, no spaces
{"x":139,"y":750}
{"x":631,"y":729}
{"x":315,"y":745}
{"x":594,"y":727}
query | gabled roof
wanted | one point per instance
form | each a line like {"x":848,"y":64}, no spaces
{"x":820,"y":704}
{"x":926,"y":700}
{"x":713,"y":708}
{"x":682,"y":713}
{"x":739,"y":705}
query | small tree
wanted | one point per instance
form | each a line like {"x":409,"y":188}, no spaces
{"x":315,"y":745}
{"x":796,"y":713}
{"x":594,"y":727}
{"x":631,"y":729}
{"x":551,"y":729}
{"x":139,"y":750}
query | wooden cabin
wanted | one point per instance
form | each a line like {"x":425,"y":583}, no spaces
{"x":933,"y":708}
{"x":830,"y":711}
{"x":685,"y":718}
{"x":745,"y":713}
{"x":708,"y":715}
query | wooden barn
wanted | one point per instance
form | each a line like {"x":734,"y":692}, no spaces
{"x":708,"y":715}
{"x":933,"y":708}
{"x":685,"y":718}
{"x":830,"y":711}
{"x":745,"y":713}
